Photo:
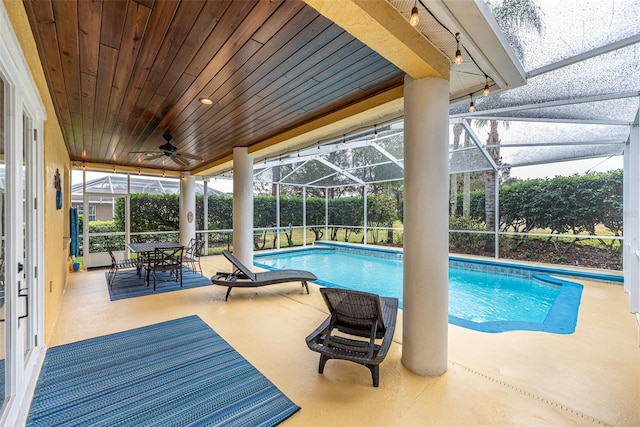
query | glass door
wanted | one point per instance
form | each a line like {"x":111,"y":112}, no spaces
{"x":26,"y":264}
{"x":22,"y":116}
{"x":20,"y":253}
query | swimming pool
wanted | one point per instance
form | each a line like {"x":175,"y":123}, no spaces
{"x":483,"y":295}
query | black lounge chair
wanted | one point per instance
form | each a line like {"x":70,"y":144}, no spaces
{"x":242,"y":277}
{"x":355,"y":315}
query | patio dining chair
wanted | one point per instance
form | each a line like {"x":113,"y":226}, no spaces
{"x":192,"y":254}
{"x":117,"y":265}
{"x":165,"y":260}
{"x":359,"y":329}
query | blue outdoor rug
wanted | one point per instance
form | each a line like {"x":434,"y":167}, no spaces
{"x":127,"y":284}
{"x":175,"y":373}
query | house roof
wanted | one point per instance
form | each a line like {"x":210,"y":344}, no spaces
{"x":119,"y":184}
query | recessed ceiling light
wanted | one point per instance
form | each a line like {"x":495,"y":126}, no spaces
{"x":206,"y":101}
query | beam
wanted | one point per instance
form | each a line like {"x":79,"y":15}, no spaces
{"x":546,"y":104}
{"x":378,"y":25}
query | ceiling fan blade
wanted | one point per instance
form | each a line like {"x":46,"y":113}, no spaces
{"x":191,"y":156}
{"x":179,"y":160}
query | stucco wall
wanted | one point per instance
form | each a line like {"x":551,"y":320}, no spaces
{"x":56,"y":222}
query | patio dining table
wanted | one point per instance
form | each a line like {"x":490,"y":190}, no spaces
{"x":144,"y":249}
{"x":147,"y":247}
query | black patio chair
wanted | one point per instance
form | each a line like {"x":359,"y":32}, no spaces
{"x":192,"y":254}
{"x":165,"y":260}
{"x":117,"y":265}
{"x":365,"y":322}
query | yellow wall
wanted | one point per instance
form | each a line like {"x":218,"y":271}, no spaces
{"x":56,"y":222}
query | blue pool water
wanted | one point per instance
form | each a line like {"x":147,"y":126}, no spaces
{"x":482,"y":296}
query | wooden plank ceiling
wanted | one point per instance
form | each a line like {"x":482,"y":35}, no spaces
{"x":122,"y":73}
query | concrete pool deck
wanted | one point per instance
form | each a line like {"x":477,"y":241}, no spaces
{"x":590,"y":377}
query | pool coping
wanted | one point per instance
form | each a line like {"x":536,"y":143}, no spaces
{"x":563,"y":314}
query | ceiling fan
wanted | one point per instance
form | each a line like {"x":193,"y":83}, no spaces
{"x":170,"y":151}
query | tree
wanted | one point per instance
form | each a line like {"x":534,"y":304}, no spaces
{"x":466,"y":185}
{"x":453,"y":178}
{"x":513,"y":16}
{"x":493,"y":149}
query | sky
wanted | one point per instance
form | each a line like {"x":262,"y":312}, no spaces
{"x":579,"y":167}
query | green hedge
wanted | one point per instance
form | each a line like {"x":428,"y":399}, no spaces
{"x":571,"y":204}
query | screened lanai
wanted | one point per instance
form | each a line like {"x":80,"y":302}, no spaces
{"x":121,"y":184}
{"x":580,"y":101}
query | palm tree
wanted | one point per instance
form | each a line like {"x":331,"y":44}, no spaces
{"x":513,"y":16}
{"x":453,"y":179}
{"x":493,"y":149}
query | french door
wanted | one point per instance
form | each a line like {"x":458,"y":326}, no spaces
{"x":21,"y":232}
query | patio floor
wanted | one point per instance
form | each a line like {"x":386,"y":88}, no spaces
{"x":591,"y":377}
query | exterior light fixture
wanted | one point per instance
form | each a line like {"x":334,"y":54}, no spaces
{"x":344,"y":139}
{"x":163,"y":173}
{"x":414,"y":15}
{"x":206,"y":101}
{"x":486,"y":89}
{"x":318,"y":147}
{"x":472,"y":106}
{"x":375,"y":131}
{"x":458,"y":59}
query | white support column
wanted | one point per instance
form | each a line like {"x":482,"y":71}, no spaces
{"x":243,"y":205}
{"x":364,"y":196}
{"x":626,"y":220}
{"x":426,"y":239}
{"x":326,"y":213}
{"x":496,"y":220}
{"x":631,"y":213}
{"x":277,"y":233}
{"x":187,"y":208}
{"x":85,"y":210}
{"x":304,"y":216}
{"x":127,"y":216}
{"x":205,"y":216}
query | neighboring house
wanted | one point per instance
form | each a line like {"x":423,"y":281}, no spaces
{"x":101,"y":208}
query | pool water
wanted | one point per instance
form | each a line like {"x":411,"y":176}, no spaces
{"x":478,"y":298}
